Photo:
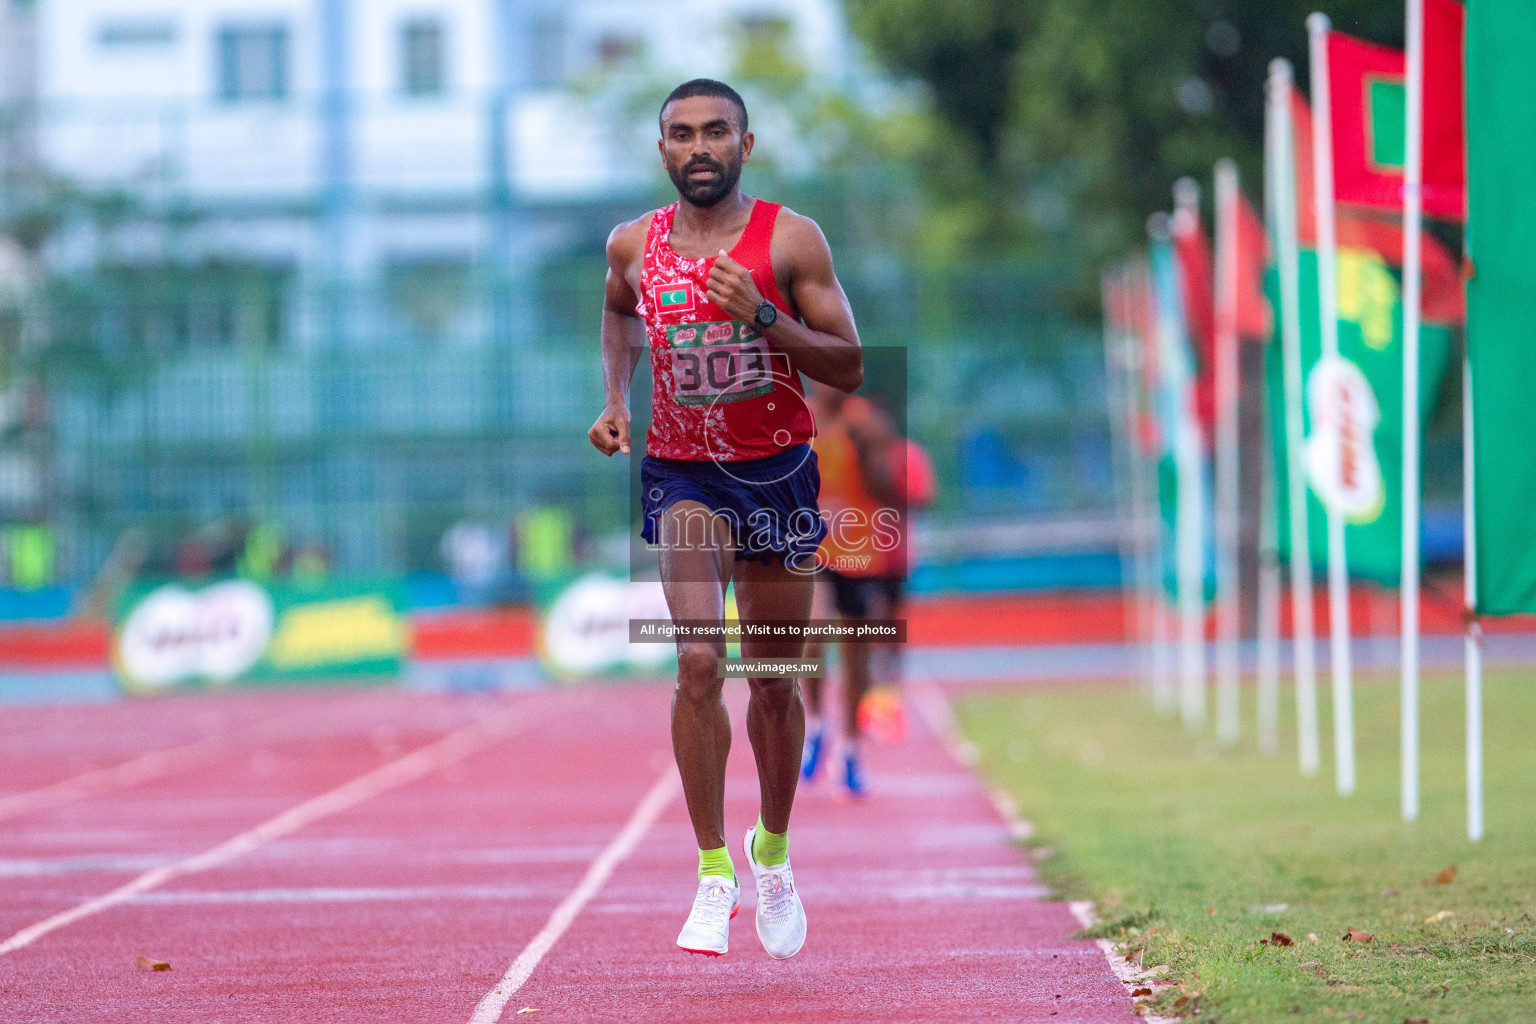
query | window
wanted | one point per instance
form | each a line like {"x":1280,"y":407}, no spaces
{"x":422,"y":58}
{"x":766,"y":29}
{"x":253,"y":63}
{"x":547,"y":43}
{"x":616,"y":52}
{"x":114,"y":34}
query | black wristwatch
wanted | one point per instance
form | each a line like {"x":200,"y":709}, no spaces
{"x":766,"y":316}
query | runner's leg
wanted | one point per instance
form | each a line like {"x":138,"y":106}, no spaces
{"x":855,"y":657}
{"x":813,"y":687}
{"x":694,"y":575}
{"x":853,"y":611}
{"x":821,"y":608}
{"x":775,"y":715}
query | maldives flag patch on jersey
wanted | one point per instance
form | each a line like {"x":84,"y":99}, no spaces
{"x":673,"y":298}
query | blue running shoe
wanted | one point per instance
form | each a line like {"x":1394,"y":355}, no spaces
{"x":810,"y":756}
{"x":854,"y":787}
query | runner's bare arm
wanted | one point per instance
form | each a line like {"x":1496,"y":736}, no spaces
{"x":875,"y":441}
{"x":823,"y":343}
{"x":623,"y":337}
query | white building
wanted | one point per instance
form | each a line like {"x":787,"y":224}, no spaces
{"x":352,"y":135}
{"x":425,"y":155}
{"x":18,"y":80}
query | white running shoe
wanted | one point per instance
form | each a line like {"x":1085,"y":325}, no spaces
{"x":708,"y":928}
{"x":780,"y":915}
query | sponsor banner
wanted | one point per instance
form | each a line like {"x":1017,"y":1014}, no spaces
{"x":240,"y":631}
{"x":1501,"y":313}
{"x":586,"y":634}
{"x":1353,"y":411}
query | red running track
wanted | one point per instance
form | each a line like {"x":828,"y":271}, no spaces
{"x":406,"y":896}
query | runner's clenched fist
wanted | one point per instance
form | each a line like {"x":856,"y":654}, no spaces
{"x":732,"y":289}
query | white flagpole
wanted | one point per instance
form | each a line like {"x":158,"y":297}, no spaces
{"x":1143,"y":512}
{"x":1163,"y":699}
{"x":1282,"y":191}
{"x":1327,"y":303}
{"x":1189,"y":535}
{"x":1228,"y":598}
{"x":1412,"y":225}
{"x":1267,"y":687}
{"x":1190,"y":530}
{"x":1474,"y":637}
{"x":1190,"y":521}
{"x":1112,"y":281}
{"x":1267,"y":681}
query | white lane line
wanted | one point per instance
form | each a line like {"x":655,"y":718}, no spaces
{"x":118,"y":776}
{"x":936,"y":711}
{"x":651,"y":806}
{"x":152,"y":765}
{"x":423,"y":761}
{"x":17,"y":868}
{"x":934,"y":708}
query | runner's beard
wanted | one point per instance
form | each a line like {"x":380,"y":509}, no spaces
{"x":706,"y":193}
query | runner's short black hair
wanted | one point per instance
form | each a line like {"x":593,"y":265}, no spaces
{"x":708,"y":87}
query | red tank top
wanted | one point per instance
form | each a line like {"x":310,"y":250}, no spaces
{"x":719,"y":392}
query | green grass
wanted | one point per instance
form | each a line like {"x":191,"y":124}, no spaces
{"x":1190,"y":849}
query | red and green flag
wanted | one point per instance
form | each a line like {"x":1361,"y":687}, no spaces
{"x":674,"y":298}
{"x":1192,"y":255}
{"x":1370,"y":371}
{"x":1253,"y":315}
{"x":1369,"y":101}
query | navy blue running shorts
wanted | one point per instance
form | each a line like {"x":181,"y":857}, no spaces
{"x":769,"y":504}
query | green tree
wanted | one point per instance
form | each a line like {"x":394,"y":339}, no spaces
{"x":1070,"y":119}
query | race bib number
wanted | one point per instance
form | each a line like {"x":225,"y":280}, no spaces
{"x":727,"y":361}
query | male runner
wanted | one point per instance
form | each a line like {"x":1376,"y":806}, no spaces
{"x":859,"y":497}
{"x":736,"y":297}
{"x":882,"y":714}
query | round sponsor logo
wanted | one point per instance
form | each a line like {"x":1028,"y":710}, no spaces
{"x":586,"y":630}
{"x":176,"y":635}
{"x":716,"y":333}
{"x":1341,"y":451}
{"x":685,"y":336}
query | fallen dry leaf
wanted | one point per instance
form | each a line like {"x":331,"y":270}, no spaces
{"x":1281,"y":939}
{"x":146,"y":963}
{"x":1135,"y":993}
{"x":1312,"y":937}
{"x":1436,"y":918}
{"x":1385,"y":893}
{"x":1445,"y":877}
{"x":1310,"y":964}
{"x":1356,"y":935}
{"x":1416,"y":1020}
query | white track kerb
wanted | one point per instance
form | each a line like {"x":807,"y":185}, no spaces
{"x":419,"y":763}
{"x":651,"y":806}
{"x":934,"y":708}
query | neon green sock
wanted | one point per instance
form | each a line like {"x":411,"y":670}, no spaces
{"x":717,"y":862}
{"x":769,"y":848}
